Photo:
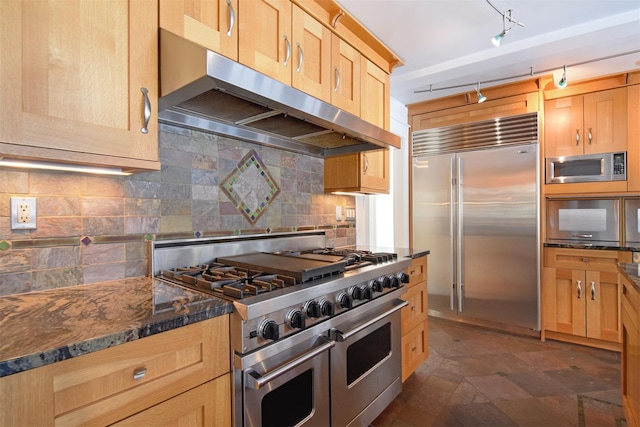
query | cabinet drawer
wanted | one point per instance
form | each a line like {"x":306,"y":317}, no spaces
{"x":418,"y":271}
{"x":416,"y":312}
{"x":581,"y":259}
{"x":206,"y":405}
{"x":111,"y":384}
{"x":414,"y":349}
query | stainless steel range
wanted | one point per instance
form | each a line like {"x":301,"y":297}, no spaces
{"x":313,"y":327}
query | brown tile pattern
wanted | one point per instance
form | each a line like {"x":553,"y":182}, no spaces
{"x":476,"y":377}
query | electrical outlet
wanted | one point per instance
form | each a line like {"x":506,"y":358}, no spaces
{"x":23,"y":213}
{"x":338,"y":213}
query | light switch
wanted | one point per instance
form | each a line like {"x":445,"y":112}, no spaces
{"x":338,"y":213}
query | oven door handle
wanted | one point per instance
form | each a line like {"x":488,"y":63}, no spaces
{"x":257,"y":380}
{"x":340,"y":336}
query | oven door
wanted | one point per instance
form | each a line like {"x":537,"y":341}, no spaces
{"x":366,"y":365}
{"x":290,"y":388}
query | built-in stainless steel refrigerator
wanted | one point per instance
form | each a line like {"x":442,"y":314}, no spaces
{"x":477,"y":212}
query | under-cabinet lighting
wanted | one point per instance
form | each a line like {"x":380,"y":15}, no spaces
{"x":34,"y":164}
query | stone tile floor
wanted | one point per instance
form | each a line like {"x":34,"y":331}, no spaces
{"x":476,"y":377}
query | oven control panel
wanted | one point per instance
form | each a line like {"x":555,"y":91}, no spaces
{"x":284,"y":322}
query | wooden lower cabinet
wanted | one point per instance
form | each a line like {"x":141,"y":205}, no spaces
{"x":415,"y":342}
{"x":205,"y":405}
{"x":114,"y":384}
{"x":630,"y":352}
{"x":581,"y":296}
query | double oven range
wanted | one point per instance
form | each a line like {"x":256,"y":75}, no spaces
{"x":315,"y":334}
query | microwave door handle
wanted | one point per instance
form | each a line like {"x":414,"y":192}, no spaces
{"x":583,"y":236}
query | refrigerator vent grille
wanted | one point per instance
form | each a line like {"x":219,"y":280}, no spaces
{"x":477,"y":135}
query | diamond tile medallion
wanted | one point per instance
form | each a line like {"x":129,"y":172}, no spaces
{"x":250,"y":187}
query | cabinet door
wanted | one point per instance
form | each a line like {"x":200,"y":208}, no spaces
{"x":72,"y":75}
{"x":563,"y":126}
{"x":605,"y":121}
{"x":375,"y":96}
{"x":311,"y":65}
{"x":209,"y":23}
{"x":345,"y":82}
{"x":603,"y":305}
{"x":416,"y":312}
{"x":414,"y":349}
{"x":375,"y":171}
{"x":206,"y":405}
{"x":265,"y":37}
{"x":565,"y":302}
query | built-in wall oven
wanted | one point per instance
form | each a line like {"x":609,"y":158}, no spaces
{"x":589,"y":221}
{"x":632,"y":222}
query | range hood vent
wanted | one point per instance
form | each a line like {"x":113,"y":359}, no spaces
{"x":497,"y":132}
{"x":203,"y":90}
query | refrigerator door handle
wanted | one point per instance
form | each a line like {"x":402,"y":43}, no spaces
{"x":452,"y":232}
{"x":460,"y":279}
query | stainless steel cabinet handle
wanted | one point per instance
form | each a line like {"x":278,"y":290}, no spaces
{"x":366,"y":164}
{"x":232,"y":18}
{"x":147,"y":110}
{"x":590,"y":136}
{"x":413,"y":308}
{"x":301,"y":60}
{"x":579,"y":289}
{"x":256,"y":380}
{"x":459,"y":214}
{"x":340,"y":336}
{"x":288,"y":52}
{"x":139,"y":374}
{"x":577,"y":137}
{"x":335,"y":88}
{"x":593,"y":290}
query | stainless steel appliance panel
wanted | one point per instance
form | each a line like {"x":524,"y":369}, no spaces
{"x":477,"y":211}
{"x":632,"y":222}
{"x":588,"y":221}
{"x":366,"y":365}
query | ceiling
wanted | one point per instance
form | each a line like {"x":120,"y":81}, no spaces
{"x":447,"y":42}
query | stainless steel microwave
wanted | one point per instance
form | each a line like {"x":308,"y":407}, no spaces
{"x":587,"y":168}
{"x":584,"y":221}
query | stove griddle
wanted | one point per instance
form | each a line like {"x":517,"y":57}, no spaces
{"x":302,"y":269}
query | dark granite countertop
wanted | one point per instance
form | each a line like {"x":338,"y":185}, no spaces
{"x":39,"y":328}
{"x":402,"y":252}
{"x":632,"y":272}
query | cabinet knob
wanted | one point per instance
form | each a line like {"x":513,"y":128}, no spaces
{"x":590,"y":136}
{"x":585,"y":259}
{"x":577,"y":137}
{"x":413,"y":308}
{"x":139,"y":374}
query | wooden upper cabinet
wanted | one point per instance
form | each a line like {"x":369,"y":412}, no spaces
{"x":72,"y":77}
{"x":586,"y":124}
{"x":311,"y":66}
{"x":346,"y":78}
{"x":375,"y":95}
{"x":209,"y":23}
{"x":265,"y":37}
{"x":366,"y":172}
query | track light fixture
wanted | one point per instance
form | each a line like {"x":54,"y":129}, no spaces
{"x":562,"y":83}
{"x":506,"y":17}
{"x":481,"y":97}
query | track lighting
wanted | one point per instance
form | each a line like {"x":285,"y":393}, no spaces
{"x":481,"y":97}
{"x":562,"y":83}
{"x":506,"y":17}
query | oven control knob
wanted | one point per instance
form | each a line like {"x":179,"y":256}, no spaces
{"x":386,"y":281}
{"x":356,"y":293}
{"x":377,"y":284}
{"x":394,"y":281}
{"x":327,"y":308}
{"x":367,"y":292}
{"x":313,"y":309}
{"x":296,"y":319}
{"x":344,"y":300}
{"x":269,"y":330}
{"x":403,"y":277}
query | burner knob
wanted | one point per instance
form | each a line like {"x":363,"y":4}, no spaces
{"x":296,"y":319}
{"x":344,"y":300}
{"x":356,"y":293}
{"x":269,"y":330}
{"x":327,"y":308}
{"x":377,"y":284}
{"x":386,"y":281}
{"x":394,"y":281}
{"x":313,"y":309}
{"x":403,"y":277}
{"x":367,"y":292}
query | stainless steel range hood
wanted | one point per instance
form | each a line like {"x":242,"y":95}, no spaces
{"x":203,"y":90}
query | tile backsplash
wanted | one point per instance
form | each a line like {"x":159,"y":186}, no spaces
{"x":94,"y":228}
